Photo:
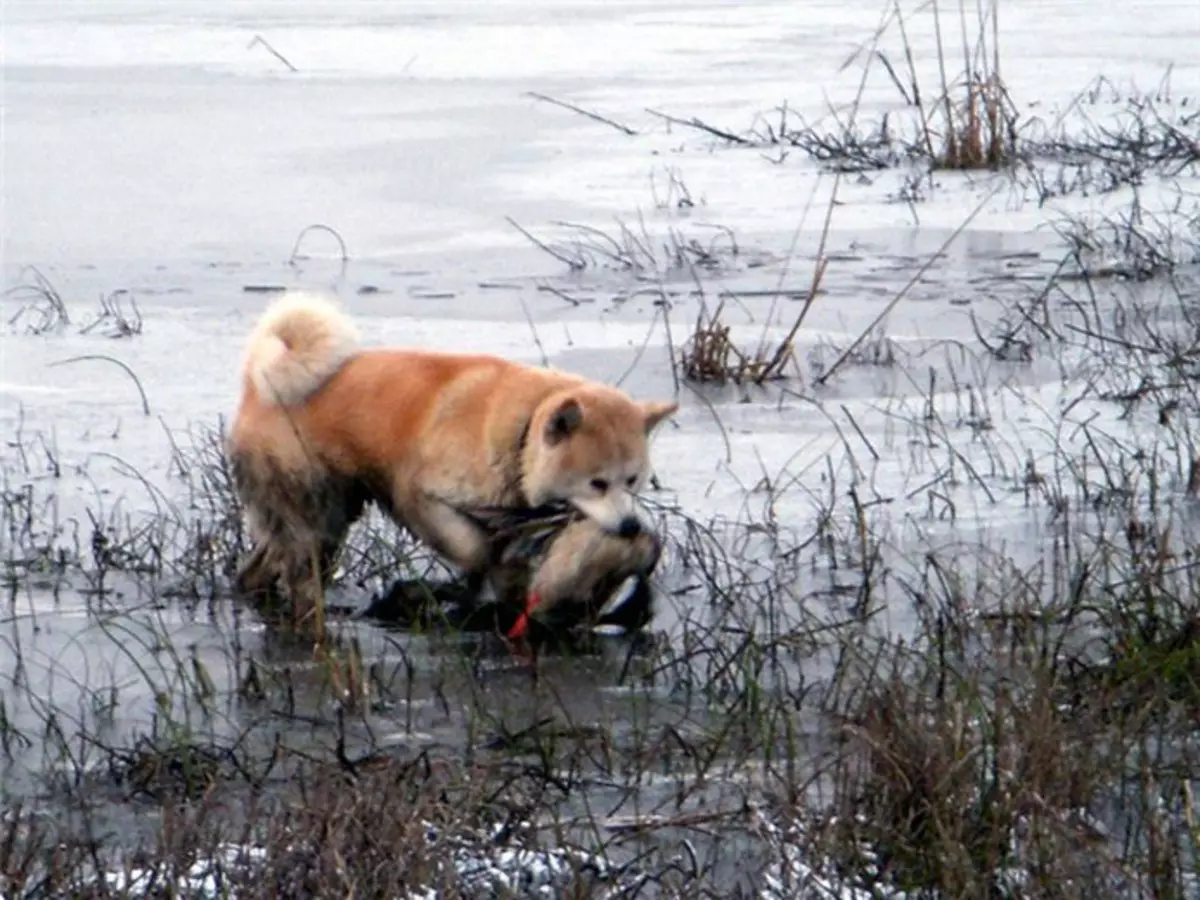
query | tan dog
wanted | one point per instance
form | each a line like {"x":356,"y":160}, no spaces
{"x":324,"y":428}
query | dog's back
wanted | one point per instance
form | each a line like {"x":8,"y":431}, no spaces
{"x":312,"y":396}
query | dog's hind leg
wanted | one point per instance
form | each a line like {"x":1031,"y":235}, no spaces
{"x":298,"y":524}
{"x":257,"y":577}
{"x":324,"y":514}
{"x":258,"y":572}
{"x":339,"y":505}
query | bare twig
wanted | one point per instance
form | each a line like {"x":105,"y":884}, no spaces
{"x":624,"y":129}
{"x":116,"y":362}
{"x":903,"y":292}
{"x":702,"y":126}
{"x":345,"y":254}
{"x":259,"y":40}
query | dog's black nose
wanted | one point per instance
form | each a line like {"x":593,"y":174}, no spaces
{"x":629,"y":527}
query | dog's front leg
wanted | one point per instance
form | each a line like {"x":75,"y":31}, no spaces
{"x":450,"y":534}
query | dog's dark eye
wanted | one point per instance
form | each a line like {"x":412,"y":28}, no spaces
{"x":631,"y":480}
{"x":599,"y":484}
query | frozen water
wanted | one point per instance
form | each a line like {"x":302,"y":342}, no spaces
{"x":160,"y":149}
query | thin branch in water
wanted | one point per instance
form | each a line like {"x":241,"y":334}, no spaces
{"x":624,"y":129}
{"x":574,"y":264}
{"x":259,"y":40}
{"x":115,"y":362}
{"x":318,"y":227}
{"x":533,"y":330}
{"x":907,"y":287}
{"x":702,"y":126}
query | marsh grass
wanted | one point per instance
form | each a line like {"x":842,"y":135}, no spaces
{"x":1026,"y":734}
{"x":41,"y":308}
{"x":710,"y":355}
{"x":967,"y":122}
{"x":1133,"y":242}
{"x":118,"y":317}
{"x":1130,"y":242}
{"x":853,"y":689}
{"x":632,"y":249}
{"x":1108,"y":138}
{"x":978,"y":122}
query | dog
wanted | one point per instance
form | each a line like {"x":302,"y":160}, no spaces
{"x":440,"y":442}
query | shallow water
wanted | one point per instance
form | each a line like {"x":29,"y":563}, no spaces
{"x":153,"y":149}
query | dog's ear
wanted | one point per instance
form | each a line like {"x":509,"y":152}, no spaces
{"x":564,"y":421}
{"x":654,"y":411}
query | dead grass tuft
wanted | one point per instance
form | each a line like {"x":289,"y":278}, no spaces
{"x":710,"y":356}
{"x":978,"y":121}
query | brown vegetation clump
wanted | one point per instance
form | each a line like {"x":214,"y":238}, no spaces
{"x":978,"y":130}
{"x":710,"y":356}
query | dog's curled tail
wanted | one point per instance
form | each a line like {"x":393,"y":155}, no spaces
{"x":299,"y":343}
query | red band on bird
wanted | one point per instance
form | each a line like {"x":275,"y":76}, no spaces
{"x":521,"y":626}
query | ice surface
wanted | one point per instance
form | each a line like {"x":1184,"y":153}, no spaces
{"x":156,"y":147}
